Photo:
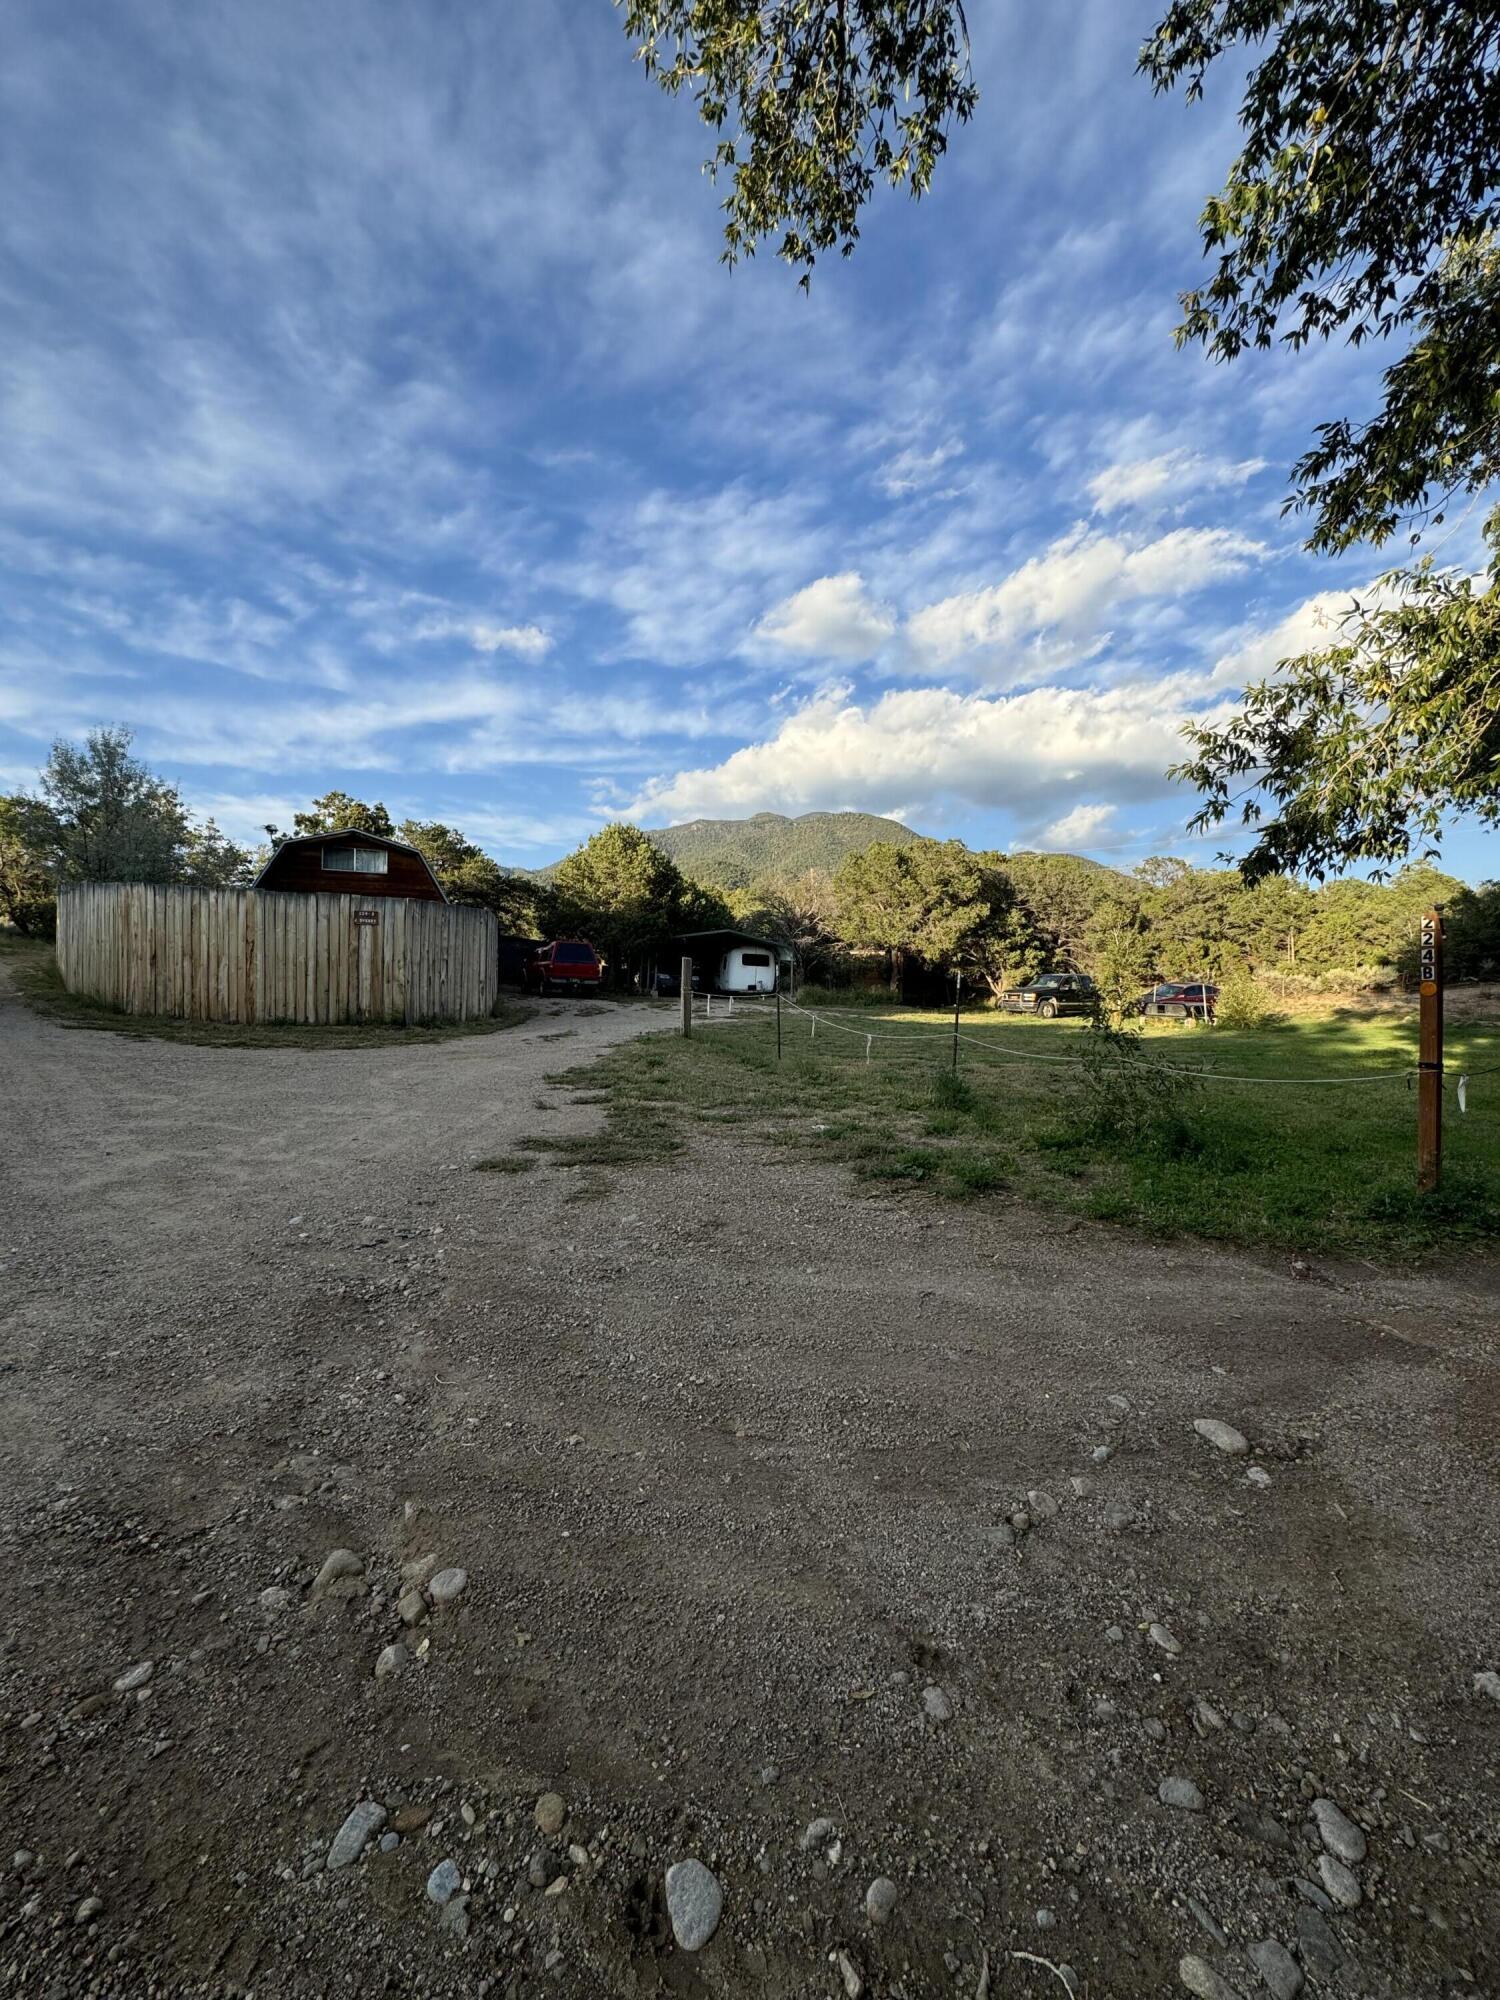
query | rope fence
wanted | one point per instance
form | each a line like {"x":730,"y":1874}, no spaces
{"x":992,"y":1054}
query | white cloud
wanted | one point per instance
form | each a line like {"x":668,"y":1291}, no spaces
{"x":920,"y":747}
{"x":530,"y":642}
{"x":910,"y":470}
{"x":1082,"y":827}
{"x":1259,"y":649}
{"x":1071,"y":589}
{"x":831,"y":619}
{"x":1132,"y":481}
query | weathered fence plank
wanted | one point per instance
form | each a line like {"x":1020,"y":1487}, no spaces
{"x":253,"y":955}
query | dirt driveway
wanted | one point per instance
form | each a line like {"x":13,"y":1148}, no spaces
{"x":817,"y":1535}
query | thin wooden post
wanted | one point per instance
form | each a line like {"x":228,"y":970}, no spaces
{"x":687,"y":996}
{"x":958,"y":982}
{"x":778,"y":1024}
{"x":1430,"y":1054}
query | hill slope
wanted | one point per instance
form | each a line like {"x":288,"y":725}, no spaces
{"x":729,"y":853}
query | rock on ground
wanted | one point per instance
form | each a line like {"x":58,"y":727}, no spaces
{"x":694,"y":1903}
{"x":1276,"y":1966}
{"x":1199,"y":1977}
{"x":1338,"y":1832}
{"x":1222,"y":1436}
{"x":364,"y":1822}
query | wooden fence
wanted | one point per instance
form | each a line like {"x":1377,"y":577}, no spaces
{"x":252,"y":955}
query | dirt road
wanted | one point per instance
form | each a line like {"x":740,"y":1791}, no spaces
{"x":729,"y":1456}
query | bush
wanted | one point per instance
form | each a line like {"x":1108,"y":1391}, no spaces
{"x":1241,"y":1003}
{"x":1128,"y":1097}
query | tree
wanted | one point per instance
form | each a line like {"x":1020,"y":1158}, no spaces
{"x":1359,"y":751}
{"x":28,"y":901}
{"x":469,"y":875}
{"x":619,"y":890}
{"x":337,"y":812}
{"x":1364,"y":202}
{"x":931,"y":900}
{"x":102,"y":816}
{"x":822,"y":98}
{"x":799,"y":914}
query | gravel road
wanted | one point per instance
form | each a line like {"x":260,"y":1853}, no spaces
{"x":363,"y":1514}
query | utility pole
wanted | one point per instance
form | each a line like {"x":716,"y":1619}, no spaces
{"x":1430,"y":1055}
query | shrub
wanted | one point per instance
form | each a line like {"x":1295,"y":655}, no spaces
{"x":1127,"y":1096}
{"x":1241,"y":1003}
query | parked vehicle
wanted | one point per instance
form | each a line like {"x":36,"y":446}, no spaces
{"x":747,"y":969}
{"x":666,"y":983}
{"x":1053,"y":994}
{"x":572,"y":963}
{"x":1174,"y":1000}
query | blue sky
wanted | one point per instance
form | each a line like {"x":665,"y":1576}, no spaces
{"x":375,"y":412}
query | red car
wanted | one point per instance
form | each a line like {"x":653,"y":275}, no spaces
{"x":566,"y":962}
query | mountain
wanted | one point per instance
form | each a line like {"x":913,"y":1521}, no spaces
{"x":731,"y":853}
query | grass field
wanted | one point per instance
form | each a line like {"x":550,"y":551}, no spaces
{"x":1288,"y":1161}
{"x":33,"y":967}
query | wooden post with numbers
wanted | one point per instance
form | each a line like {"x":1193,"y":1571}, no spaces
{"x":687,"y":996}
{"x":1430,"y":1054}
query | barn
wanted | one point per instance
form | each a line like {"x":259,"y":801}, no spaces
{"x":350,"y":863}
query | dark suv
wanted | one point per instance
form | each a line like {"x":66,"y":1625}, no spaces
{"x":1053,"y":994}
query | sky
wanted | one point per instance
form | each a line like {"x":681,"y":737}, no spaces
{"x":376,"y":413}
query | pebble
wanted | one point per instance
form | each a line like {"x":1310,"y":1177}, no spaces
{"x":336,"y":1564}
{"x":1045,"y":1920}
{"x":1338,"y":1832}
{"x":1488,"y":1683}
{"x":880,"y":1899}
{"x":412,"y":1606}
{"x":389,"y":1842}
{"x":364,"y":1821}
{"x":848,"y":1971}
{"x":88,"y":1909}
{"x":391,"y":1661}
{"x":1081,"y":1486}
{"x":1321,"y":1951}
{"x":410,"y":1819}
{"x":1043,"y":1506}
{"x":22,"y":1859}
{"x":1341,"y":1883}
{"x":539,"y":1868}
{"x":1206,"y":1921}
{"x":1102,"y":1454}
{"x":275,"y":1600}
{"x":448,"y":1585}
{"x":1277,"y":1968}
{"x":444,"y":1883}
{"x":1160,"y":1636}
{"x":936,"y":1705}
{"x":1155,"y":1728}
{"x":1180,"y":1792}
{"x":1206,"y":1718}
{"x":1258,"y":1476}
{"x":135,"y":1677}
{"x":551,"y":1812}
{"x":1199,"y":1977}
{"x":1118,"y":1516}
{"x":1115,"y":1634}
{"x":815,"y":1834}
{"x":694,"y":1903}
{"x":1222,"y":1436}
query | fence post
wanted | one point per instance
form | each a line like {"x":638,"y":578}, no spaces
{"x":958,"y":981}
{"x":1430,"y":1054}
{"x":778,"y":1024}
{"x":687,"y":996}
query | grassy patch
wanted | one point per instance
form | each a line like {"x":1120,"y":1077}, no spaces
{"x":1283,"y":1160}
{"x":33,"y":967}
{"x":506,"y":1163}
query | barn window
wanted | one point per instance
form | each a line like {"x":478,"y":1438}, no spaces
{"x":356,"y":860}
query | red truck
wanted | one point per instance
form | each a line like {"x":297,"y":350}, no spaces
{"x":572,"y":963}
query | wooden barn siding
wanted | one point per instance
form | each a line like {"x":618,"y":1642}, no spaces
{"x":242,"y":955}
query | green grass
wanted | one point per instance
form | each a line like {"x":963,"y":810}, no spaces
{"x":33,"y":968}
{"x":1320,"y":1168}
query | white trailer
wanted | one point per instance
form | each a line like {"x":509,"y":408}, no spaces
{"x":747,"y":968}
